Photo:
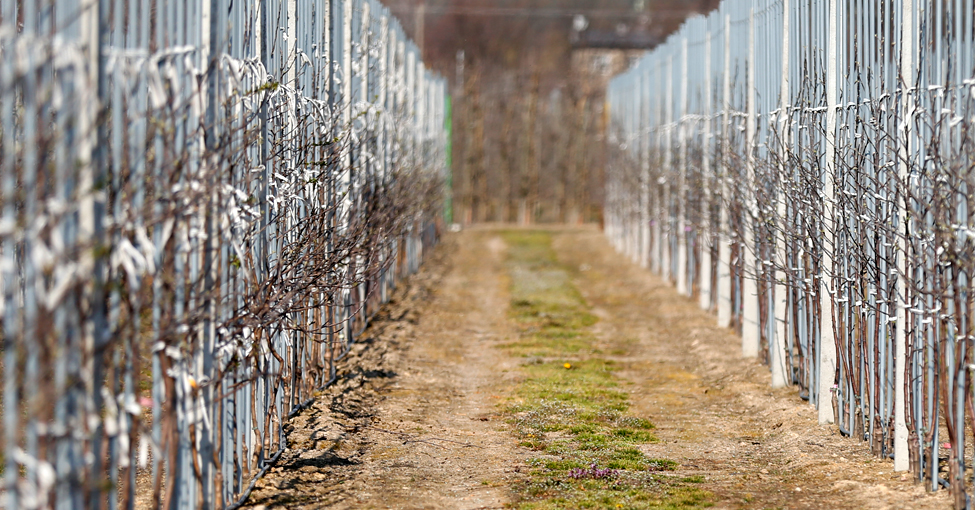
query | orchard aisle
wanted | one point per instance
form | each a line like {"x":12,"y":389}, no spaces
{"x":442,"y":408}
{"x":715,"y":412}
{"x":414,"y":423}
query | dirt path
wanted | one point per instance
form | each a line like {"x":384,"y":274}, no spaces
{"x":416,"y":420}
{"x":715,"y":412}
{"x":414,"y":423}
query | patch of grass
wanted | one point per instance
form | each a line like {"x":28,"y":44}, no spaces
{"x":569,"y":405}
{"x":635,"y":436}
{"x":549,"y":310}
{"x":630,"y":492}
{"x":564,"y":465}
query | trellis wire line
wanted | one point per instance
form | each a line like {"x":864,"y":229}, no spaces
{"x":202,"y":204}
{"x":804,"y":169}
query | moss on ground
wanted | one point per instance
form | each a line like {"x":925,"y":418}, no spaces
{"x":569,"y":407}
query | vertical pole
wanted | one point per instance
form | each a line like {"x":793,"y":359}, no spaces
{"x":643,"y":134}
{"x":12,"y":343}
{"x":706,"y":228}
{"x":384,"y":111}
{"x":901,"y":455}
{"x":682,"y":179}
{"x":778,"y":348}
{"x":212,"y":28}
{"x":723,"y":287}
{"x":291,"y":49}
{"x":657,"y":264}
{"x":750,"y":335}
{"x":365,"y":43}
{"x":827,"y":350}
{"x":646,"y":141}
{"x":100,"y":159}
{"x":346,"y":74}
{"x":666,"y":229}
{"x":344,"y":181}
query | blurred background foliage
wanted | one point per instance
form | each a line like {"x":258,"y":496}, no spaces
{"x":528,"y":79}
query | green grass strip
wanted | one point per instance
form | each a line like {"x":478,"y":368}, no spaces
{"x":569,"y":407}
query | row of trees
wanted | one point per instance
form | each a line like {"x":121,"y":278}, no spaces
{"x":817,"y":194}
{"x":198,"y":219}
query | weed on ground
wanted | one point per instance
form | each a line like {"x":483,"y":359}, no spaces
{"x":569,"y":407}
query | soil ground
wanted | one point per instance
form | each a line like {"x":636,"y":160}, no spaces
{"x":418,"y":418}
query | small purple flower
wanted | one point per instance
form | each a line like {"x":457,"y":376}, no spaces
{"x":592,"y":472}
